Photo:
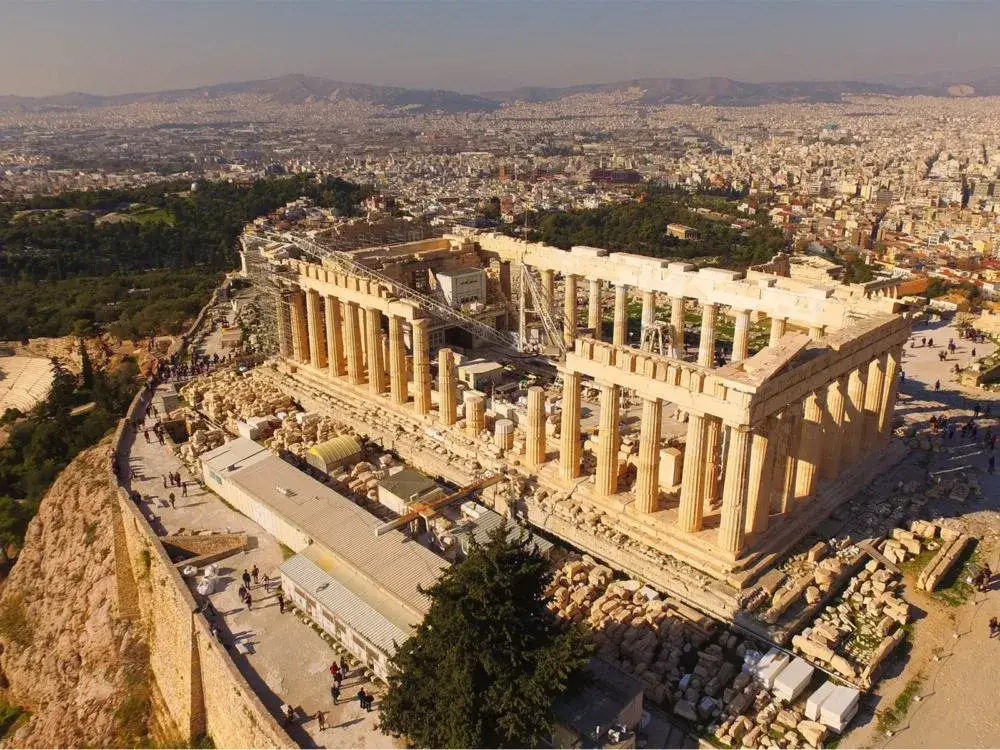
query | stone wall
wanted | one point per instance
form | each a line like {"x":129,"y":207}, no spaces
{"x":197,"y":688}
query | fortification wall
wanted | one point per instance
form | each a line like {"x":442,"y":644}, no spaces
{"x":197,"y":689}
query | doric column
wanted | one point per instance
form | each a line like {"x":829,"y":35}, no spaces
{"x":647,"y":483}
{"x":607,"y":442}
{"x":352,"y":344}
{"x":284,"y":326}
{"x":816,"y":332}
{"x":569,"y":436}
{"x":855,"y":411}
{"x":741,"y":335}
{"x":569,"y":310}
{"x":397,"y":361}
{"x":620,"y":333}
{"x":810,"y":444}
{"x":648,"y":309}
{"x":548,"y":283}
{"x":421,"y":365}
{"x":890,"y":390}
{"x":316,"y":329}
{"x":710,"y":488}
{"x":677,"y":327}
{"x":783,"y":493}
{"x":534,"y":450}
{"x":689,"y":513}
{"x":447,"y":386}
{"x":706,"y":344}
{"x":594,"y":308}
{"x":759,"y":487}
{"x":335,"y":337}
{"x":777,"y":330}
{"x":363,"y":321}
{"x":300,"y":330}
{"x":475,"y":413}
{"x":874,"y":392}
{"x":734,"y":495}
{"x":376,"y":365}
{"x":834,"y":427}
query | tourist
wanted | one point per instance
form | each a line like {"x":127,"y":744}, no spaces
{"x":362,"y":697}
{"x":973,"y":353}
{"x":255,"y":573}
{"x":145,"y":434}
{"x":164,"y":478}
{"x":249,"y":602}
{"x":242,"y":592}
{"x":184,"y":489}
{"x":281,"y":604}
{"x":335,"y":694}
{"x":289,"y":715}
{"x":338,"y":677}
{"x":172,"y":498}
{"x":246,"y":578}
{"x":267,"y":584}
{"x":994,"y":626}
{"x":334,"y":669}
{"x":344,"y":666}
{"x":321,"y":718}
{"x":937,"y":385}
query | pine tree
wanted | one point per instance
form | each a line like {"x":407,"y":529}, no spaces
{"x":486,"y":664}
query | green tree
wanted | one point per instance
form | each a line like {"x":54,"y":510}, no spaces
{"x":486,"y":664}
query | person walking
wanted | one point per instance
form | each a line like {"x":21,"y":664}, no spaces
{"x":267,"y":584}
{"x":335,"y":694}
{"x":184,"y":489}
{"x":344,"y":666}
{"x":172,"y":499}
{"x":334,"y":669}
{"x":338,"y":677}
{"x":321,"y":718}
{"x":281,"y":604}
{"x":362,"y":697}
{"x":246,"y":578}
{"x":249,"y":602}
{"x":255,"y":573}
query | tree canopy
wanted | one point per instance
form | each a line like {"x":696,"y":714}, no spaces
{"x":486,"y":664}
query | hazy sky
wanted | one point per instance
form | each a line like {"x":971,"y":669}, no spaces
{"x":110,"y":47}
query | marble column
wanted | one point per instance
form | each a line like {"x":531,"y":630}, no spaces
{"x":569,"y":435}
{"x":816,"y":332}
{"x":647,"y":483}
{"x":548,"y":283}
{"x":785,"y":458}
{"x":856,"y":386}
{"x":397,"y":361}
{"x":689,"y":513}
{"x":648,"y":309}
{"x":734,"y":494}
{"x":335,"y":337}
{"x":352,"y":344}
{"x":741,"y":335}
{"x":534,"y":448}
{"x":447,"y":386}
{"x":710,"y":487}
{"x":706,"y":344}
{"x":608,"y":441}
{"x":890,"y":391}
{"x":300,"y":329}
{"x":421,"y":365}
{"x":620,"y":334}
{"x":833,"y":428}
{"x":594,"y":308}
{"x":376,"y":365}
{"x":759,"y":487}
{"x":874,"y":392}
{"x":810,"y":445}
{"x":284,"y":324}
{"x":569,"y":310}
{"x":778,"y":326}
{"x":677,"y":327}
{"x":314,"y":328}
{"x":475,"y":414}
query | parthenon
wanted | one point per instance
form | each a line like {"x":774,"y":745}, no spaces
{"x":737,"y":456}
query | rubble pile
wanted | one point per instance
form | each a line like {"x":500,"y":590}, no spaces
{"x":299,"y":432}
{"x":226,"y":394}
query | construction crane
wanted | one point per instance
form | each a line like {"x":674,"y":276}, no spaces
{"x":488,"y":480}
{"x":543,"y":307}
{"x":429,"y":304}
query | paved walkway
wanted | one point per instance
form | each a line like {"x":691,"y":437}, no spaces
{"x":288,"y":662}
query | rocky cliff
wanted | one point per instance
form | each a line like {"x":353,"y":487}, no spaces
{"x":67,"y":658}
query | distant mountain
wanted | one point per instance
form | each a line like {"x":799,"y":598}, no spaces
{"x":290,"y":89}
{"x":296,"y":89}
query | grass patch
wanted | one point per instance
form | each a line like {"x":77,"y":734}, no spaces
{"x":11,"y":717}
{"x":14,"y":622}
{"x":892,"y":717}
{"x":153,"y":216}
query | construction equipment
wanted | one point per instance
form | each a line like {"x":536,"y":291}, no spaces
{"x":653,"y":337}
{"x":429,"y":304}
{"x":488,"y":480}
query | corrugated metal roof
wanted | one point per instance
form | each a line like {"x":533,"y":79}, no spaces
{"x":334,"y":451}
{"x":392,"y":561}
{"x":239,"y":453}
{"x":349,"y":607}
{"x":481,"y":528}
